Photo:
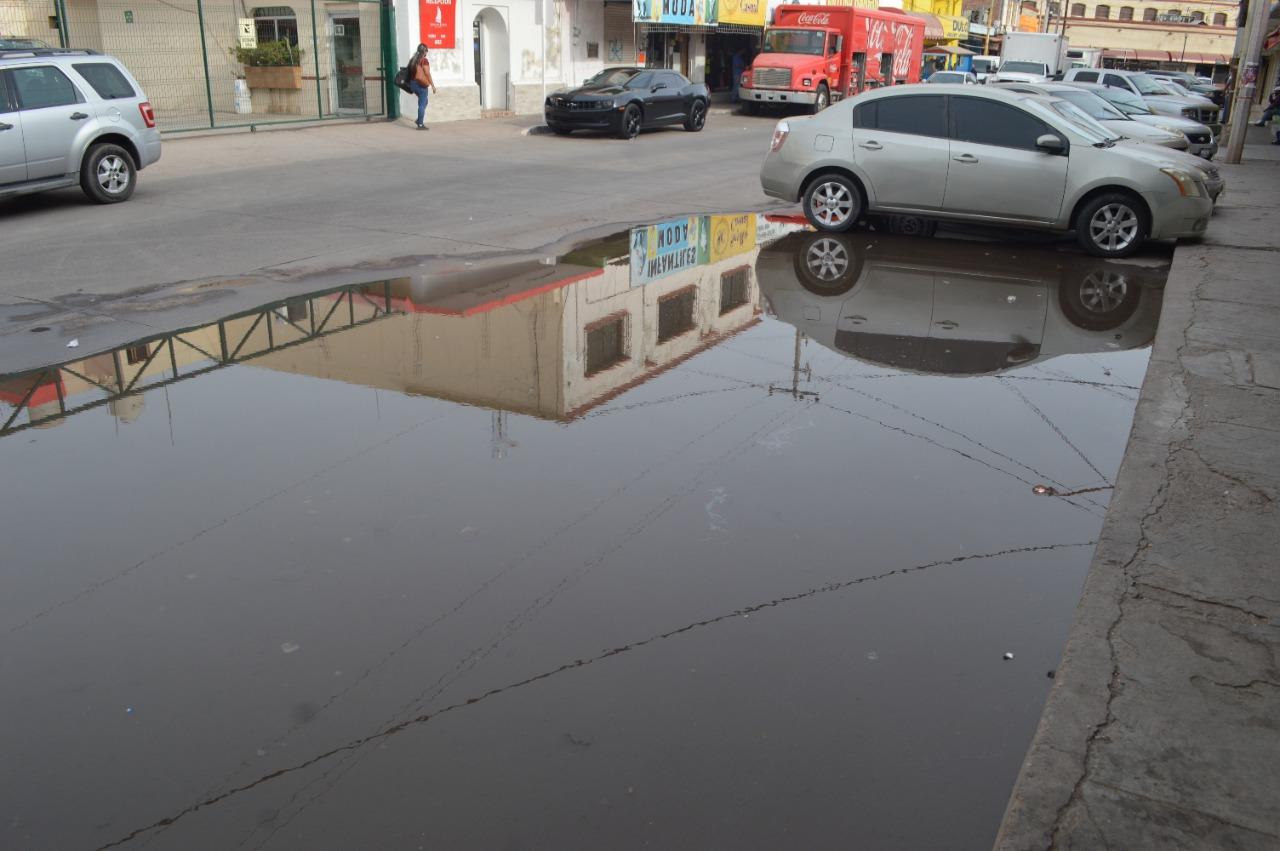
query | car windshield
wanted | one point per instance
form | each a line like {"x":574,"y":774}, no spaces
{"x":613,"y":77}
{"x":1148,"y":85}
{"x":11,"y":43}
{"x":1090,"y":129}
{"x":794,"y":41}
{"x":947,"y":77}
{"x":984,"y":66}
{"x":1024,"y":67}
{"x":1092,"y":105}
{"x":1126,"y":102}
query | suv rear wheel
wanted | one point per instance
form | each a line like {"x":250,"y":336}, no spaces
{"x":1112,"y":225}
{"x":108,"y":174}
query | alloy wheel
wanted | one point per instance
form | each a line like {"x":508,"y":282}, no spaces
{"x":1114,"y":227}
{"x":113,"y":174}
{"x":633,"y":123}
{"x":1103,"y":292}
{"x":699,"y":115}
{"x":832,"y":204}
{"x":827,"y":259}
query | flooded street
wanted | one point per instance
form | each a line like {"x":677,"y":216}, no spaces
{"x":712,"y":534}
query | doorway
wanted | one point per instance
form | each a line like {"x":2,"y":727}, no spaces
{"x":492,"y":58}
{"x":346,"y":90}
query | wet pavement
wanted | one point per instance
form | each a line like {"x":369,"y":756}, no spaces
{"x":712,"y":534}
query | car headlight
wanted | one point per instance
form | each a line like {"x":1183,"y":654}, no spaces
{"x":1168,"y":128}
{"x":1186,"y":182}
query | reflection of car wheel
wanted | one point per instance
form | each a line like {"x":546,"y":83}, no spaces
{"x":108,"y":174}
{"x":912,"y":226}
{"x":1112,"y":225}
{"x":822,"y":100}
{"x":630,"y":126}
{"x":559,"y":131}
{"x":832,"y":203}
{"x":827,"y":265}
{"x":697,"y":117}
{"x":1100,"y":300}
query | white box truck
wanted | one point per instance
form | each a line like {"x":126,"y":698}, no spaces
{"x":1032,"y":57}
{"x":1083,"y":57}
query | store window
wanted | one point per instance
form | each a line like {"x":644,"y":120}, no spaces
{"x":1102,"y":12}
{"x":1126,"y":13}
{"x":735,"y":289}
{"x":1220,"y":19}
{"x":1149,"y":15}
{"x":675,"y":314}
{"x":276,"y":23}
{"x":606,"y":343}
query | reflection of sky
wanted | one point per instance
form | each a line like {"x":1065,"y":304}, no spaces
{"x":163,"y":566}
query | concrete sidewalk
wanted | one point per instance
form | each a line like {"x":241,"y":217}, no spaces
{"x":1163,"y":727}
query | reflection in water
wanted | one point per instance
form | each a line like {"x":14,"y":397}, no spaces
{"x":376,"y":593}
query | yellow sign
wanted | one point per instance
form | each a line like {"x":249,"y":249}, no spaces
{"x":1028,"y":24}
{"x":747,"y":12}
{"x":732,"y":235}
{"x":954,"y":26}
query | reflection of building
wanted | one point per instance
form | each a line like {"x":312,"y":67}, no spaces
{"x":554,"y":340}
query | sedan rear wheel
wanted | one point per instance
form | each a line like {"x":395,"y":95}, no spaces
{"x":631,"y":120}
{"x":1112,"y":225}
{"x":832,"y":203}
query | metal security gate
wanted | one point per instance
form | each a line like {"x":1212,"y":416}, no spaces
{"x":231,"y":63}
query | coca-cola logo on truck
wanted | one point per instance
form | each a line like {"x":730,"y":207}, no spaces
{"x":813,"y":19}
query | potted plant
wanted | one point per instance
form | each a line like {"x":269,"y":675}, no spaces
{"x":271,"y":65}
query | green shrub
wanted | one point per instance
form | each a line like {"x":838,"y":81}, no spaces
{"x":268,"y":54}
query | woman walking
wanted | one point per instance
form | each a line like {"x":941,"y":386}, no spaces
{"x":421,"y":80}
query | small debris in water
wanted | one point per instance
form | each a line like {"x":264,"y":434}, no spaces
{"x":873,"y":656}
{"x":1008,"y":657}
{"x":1011,"y":299}
{"x":1043,"y":490}
{"x":128,"y":710}
{"x":74,"y":344}
{"x":1050,"y":674}
{"x":288,"y":647}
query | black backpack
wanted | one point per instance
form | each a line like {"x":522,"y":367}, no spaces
{"x":403,"y":76}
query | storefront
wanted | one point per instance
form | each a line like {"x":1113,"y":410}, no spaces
{"x":673,"y":34}
{"x":734,"y":42}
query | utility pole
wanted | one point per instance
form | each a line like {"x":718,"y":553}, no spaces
{"x":1246,"y":77}
{"x":991,"y":20}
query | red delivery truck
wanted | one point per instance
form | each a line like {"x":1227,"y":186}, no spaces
{"x":814,"y":55}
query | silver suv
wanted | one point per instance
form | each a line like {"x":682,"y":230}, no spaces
{"x":72,"y":116}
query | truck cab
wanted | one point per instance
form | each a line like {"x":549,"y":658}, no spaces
{"x":796,"y":66}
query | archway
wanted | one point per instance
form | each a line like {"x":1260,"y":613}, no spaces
{"x":492,"y":57}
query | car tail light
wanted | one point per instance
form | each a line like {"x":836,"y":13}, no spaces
{"x":148,"y":114}
{"x":780,"y":134}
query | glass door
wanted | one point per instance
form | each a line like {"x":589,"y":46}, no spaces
{"x":348,"y":64}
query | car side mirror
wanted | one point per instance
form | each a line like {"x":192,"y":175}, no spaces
{"x":1051,"y":143}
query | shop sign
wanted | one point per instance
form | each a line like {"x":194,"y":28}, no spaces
{"x":436,"y":24}
{"x":746,"y":12}
{"x":1028,"y":24}
{"x":954,"y":26}
{"x":247,"y":33}
{"x":690,"y":12}
{"x":857,"y":4}
{"x":666,"y":248}
{"x":732,"y":235}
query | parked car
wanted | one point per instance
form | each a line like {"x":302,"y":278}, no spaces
{"x":72,"y":116}
{"x":981,"y":154}
{"x":624,"y":101}
{"x":1020,"y":71}
{"x":985,"y":66}
{"x":1201,"y":138}
{"x":952,"y":307}
{"x":1150,"y":90}
{"x":1111,"y":119}
{"x":963,"y":78}
{"x":1199,"y":85}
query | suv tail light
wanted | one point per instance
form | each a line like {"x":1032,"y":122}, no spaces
{"x":148,"y":114}
{"x":780,"y":134}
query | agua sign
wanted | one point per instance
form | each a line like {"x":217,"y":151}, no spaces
{"x":436,"y":27}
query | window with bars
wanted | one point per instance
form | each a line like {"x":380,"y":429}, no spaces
{"x":1077,"y":10}
{"x":276,"y":23}
{"x":675,"y":313}
{"x":606,"y":343}
{"x":1102,"y":12}
{"x":1149,"y":15}
{"x":735,"y":289}
{"x":136,"y":354}
{"x":1126,"y":13}
{"x":1220,"y":19}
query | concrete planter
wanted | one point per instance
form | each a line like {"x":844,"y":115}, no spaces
{"x":275,"y":77}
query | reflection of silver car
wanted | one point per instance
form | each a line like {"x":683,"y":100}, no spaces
{"x":952,"y":307}
{"x":1203,"y":142}
{"x":981,"y":154}
{"x":71,"y":117}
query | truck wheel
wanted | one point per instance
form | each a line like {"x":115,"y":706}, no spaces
{"x":833,"y":203}
{"x":749,"y":108}
{"x":822,"y":100}
{"x":108,"y":174}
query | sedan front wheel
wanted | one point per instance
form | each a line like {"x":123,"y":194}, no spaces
{"x":629,"y":128}
{"x":697,"y":117}
{"x":832,"y":203}
{"x":1112,"y":225}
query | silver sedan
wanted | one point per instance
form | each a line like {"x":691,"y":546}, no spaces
{"x":975,"y":154}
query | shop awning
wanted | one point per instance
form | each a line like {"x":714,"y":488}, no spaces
{"x":1202,"y":58}
{"x":932,"y":26}
{"x":950,"y":50}
{"x":1131,"y":53}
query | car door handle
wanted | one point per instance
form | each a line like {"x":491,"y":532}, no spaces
{"x":871,"y":146}
{"x":78,"y":116}
{"x":965,"y":158}
{"x":4,"y":127}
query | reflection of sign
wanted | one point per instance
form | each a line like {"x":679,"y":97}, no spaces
{"x":436,"y":24}
{"x":746,"y":12}
{"x":691,"y":12}
{"x":247,"y":33}
{"x":662,"y":249}
{"x":732,"y":235}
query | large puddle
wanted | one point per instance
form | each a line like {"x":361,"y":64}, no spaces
{"x":714,"y":534}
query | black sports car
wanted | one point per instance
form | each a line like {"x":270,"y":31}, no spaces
{"x":626,"y":100}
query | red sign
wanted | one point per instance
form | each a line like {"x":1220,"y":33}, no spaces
{"x":436,"y":23}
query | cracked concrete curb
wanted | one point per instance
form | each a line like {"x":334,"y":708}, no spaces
{"x":1161,"y":730}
